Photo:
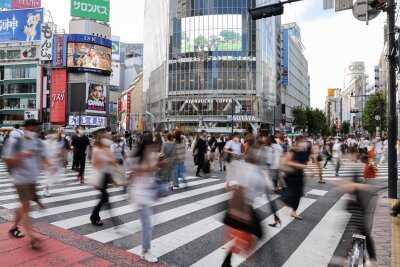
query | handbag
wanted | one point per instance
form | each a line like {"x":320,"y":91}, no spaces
{"x":96,"y":178}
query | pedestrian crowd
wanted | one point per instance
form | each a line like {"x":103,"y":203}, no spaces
{"x":152,"y":166}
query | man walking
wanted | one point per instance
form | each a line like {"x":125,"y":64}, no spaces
{"x":79,"y":145}
{"x":201,"y":147}
{"x":24,"y":157}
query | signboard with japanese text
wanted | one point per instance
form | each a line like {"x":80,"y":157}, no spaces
{"x":86,"y":120}
{"x":285,"y":57}
{"x":58,"y":95}
{"x":46,"y":42}
{"x":59,"y":51}
{"x":5,"y":4}
{"x":91,"y":9}
{"x":29,"y":53}
{"x":96,"y":98}
{"x":23,"y":4}
{"x":331,"y":91}
{"x":20,"y":25}
{"x":32,"y":114}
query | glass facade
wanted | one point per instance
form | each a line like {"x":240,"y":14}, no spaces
{"x":220,"y":62}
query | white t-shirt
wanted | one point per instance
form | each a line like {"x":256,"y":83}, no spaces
{"x":277,"y":152}
{"x":337,"y":150}
{"x":235,"y":147}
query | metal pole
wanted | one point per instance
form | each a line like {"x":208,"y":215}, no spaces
{"x":232,"y":116}
{"x":273,"y":131}
{"x":80,"y":112}
{"x":392,"y":123}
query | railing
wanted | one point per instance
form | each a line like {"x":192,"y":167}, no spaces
{"x":358,"y":252}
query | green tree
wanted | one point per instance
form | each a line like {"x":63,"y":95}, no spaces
{"x":375,"y":105}
{"x":299,"y":115}
{"x":200,"y":40}
{"x":333,"y":130}
{"x":316,"y":121}
{"x":230,"y":35}
{"x":345,"y":127}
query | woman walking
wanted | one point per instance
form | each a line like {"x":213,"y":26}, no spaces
{"x":221,"y":158}
{"x":119,"y":150}
{"x":212,"y":146}
{"x":180,"y":153}
{"x":369,"y":160}
{"x":295,"y":161}
{"x":104,"y":162}
{"x":143,"y":192}
{"x":167,"y":161}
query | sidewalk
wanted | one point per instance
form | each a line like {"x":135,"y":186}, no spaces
{"x":385,"y":232}
{"x":60,"y":248}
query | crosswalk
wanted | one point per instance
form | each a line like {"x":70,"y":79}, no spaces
{"x":187,"y":224}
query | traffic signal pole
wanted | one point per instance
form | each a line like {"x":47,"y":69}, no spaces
{"x":392,"y":118}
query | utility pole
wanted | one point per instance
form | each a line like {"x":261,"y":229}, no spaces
{"x":392,"y":118}
{"x":232,"y":115}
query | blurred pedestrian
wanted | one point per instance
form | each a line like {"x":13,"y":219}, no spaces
{"x":143,"y":190}
{"x":212,"y":148}
{"x":166,"y":172}
{"x":337,"y":154}
{"x":201,"y":151}
{"x":369,"y":161}
{"x":104,"y":162}
{"x":24,"y":157}
{"x":295,"y":163}
{"x":55,"y":155}
{"x":222,"y":156}
{"x":180,"y":154}
{"x":80,"y":143}
{"x":120,"y":154}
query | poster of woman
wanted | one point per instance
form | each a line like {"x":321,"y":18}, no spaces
{"x":96,"y":98}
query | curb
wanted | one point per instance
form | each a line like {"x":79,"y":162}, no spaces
{"x":395,"y":239}
{"x":116,"y":256}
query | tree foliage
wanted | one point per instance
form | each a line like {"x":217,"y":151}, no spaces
{"x":313,"y":120}
{"x":333,"y":130}
{"x":375,"y":105}
{"x":345,"y":127}
{"x":230,"y":35}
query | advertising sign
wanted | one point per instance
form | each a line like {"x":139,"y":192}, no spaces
{"x":96,"y":98}
{"x":58,"y":95}
{"x":331,"y":91}
{"x":46,"y":42}
{"x":20,"y":25}
{"x":115,"y":74}
{"x":91,"y":9}
{"x":59,"y":50}
{"x":115,"y":49}
{"x":28,"y":53}
{"x":224,"y":33}
{"x":86,"y":120}
{"x":285,"y":57}
{"x":23,"y":4}
{"x":89,"y":53}
{"x":33,"y":114}
{"x":5,"y":4}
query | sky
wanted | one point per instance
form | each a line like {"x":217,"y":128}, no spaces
{"x":332,"y":40}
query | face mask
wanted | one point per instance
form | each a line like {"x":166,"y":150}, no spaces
{"x":30,"y":135}
{"x":106,"y":142}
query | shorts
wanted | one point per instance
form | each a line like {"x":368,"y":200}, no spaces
{"x":26,"y":192}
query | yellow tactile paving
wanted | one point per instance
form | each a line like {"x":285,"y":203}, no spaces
{"x":395,"y":239}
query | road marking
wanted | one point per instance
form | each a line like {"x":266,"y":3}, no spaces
{"x":182,"y":236}
{"x":322,"y":241}
{"x":317,"y":192}
{"x":82,"y":220}
{"x":109,"y":234}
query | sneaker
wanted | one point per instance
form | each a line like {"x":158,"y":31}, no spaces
{"x":46,"y":193}
{"x":148,"y":257}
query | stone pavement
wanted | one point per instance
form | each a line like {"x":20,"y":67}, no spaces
{"x":382,"y":231}
{"x":60,"y":248}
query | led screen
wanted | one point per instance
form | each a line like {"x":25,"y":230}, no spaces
{"x":211,"y":33}
{"x":89,"y":57}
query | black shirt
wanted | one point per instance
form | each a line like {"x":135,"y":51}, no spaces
{"x":80,"y":144}
{"x":201,"y":146}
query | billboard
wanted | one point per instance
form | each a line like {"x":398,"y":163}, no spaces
{"x":115,"y":74}
{"x":96,"y":98}
{"x":115,"y":50}
{"x":211,"y":33}
{"x":20,"y":25}
{"x":86,"y":120}
{"x":28,"y":53}
{"x":46,"y":42}
{"x":331,"y":91}
{"x":23,"y":4}
{"x":285,"y":57}
{"x":5,"y":4}
{"x":31,"y":114}
{"x":58,"y":95}
{"x":91,"y":9}
{"x":89,"y":53}
{"x":59,"y":51}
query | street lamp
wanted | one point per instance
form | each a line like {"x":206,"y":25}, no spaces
{"x":168,"y":112}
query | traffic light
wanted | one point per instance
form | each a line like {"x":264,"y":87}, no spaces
{"x":377,"y":4}
{"x":353,"y":110}
{"x":266,"y":11}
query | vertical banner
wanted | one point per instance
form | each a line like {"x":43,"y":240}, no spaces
{"x":23,"y":4}
{"x":59,"y":51}
{"x":58,"y":95}
{"x":128,"y":108}
{"x":115,"y":48}
{"x":46,"y":42}
{"x":285,"y":57}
